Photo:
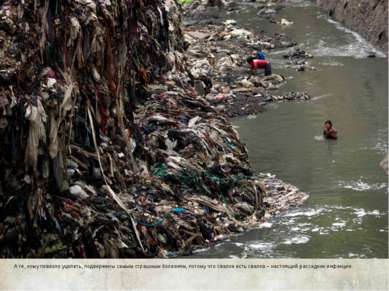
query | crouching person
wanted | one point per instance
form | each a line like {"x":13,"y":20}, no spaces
{"x":256,"y":64}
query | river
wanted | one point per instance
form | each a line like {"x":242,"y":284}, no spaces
{"x":347,"y":213}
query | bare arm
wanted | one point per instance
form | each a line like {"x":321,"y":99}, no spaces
{"x":332,"y":133}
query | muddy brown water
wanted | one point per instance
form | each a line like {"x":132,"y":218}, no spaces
{"x":347,"y":212}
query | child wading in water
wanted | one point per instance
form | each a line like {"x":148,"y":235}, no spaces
{"x":329,"y":131}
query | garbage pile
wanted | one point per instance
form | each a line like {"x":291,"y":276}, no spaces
{"x":217,"y":54}
{"x":108,"y":150}
{"x":297,"y":59}
{"x":205,"y":9}
{"x":280,"y":196}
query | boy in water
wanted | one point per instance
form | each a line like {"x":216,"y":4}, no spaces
{"x":329,"y":131}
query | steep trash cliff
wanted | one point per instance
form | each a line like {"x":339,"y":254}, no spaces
{"x":106,"y":150}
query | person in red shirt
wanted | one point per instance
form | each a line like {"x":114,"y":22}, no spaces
{"x":256,"y":64}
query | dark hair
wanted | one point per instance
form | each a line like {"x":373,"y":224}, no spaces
{"x":250,"y":59}
{"x":329,"y":122}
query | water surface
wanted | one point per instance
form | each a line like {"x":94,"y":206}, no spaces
{"x":347,"y":213}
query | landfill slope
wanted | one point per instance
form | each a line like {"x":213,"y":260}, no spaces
{"x":96,"y":164}
{"x":106,"y":148}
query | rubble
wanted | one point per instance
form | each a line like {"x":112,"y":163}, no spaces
{"x":280,"y":195}
{"x":297,"y":59}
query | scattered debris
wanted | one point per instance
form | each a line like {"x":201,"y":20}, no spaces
{"x":280,"y":195}
{"x":285,"y":22}
{"x":220,"y":58}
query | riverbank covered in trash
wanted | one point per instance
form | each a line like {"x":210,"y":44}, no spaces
{"x":107,"y":148}
{"x":217,"y":52}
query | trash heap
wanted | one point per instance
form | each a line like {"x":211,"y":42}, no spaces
{"x":297,"y":58}
{"x":203,"y":9}
{"x":217,"y":54}
{"x":106,"y":149}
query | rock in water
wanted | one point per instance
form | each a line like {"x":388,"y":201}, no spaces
{"x":285,"y":22}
